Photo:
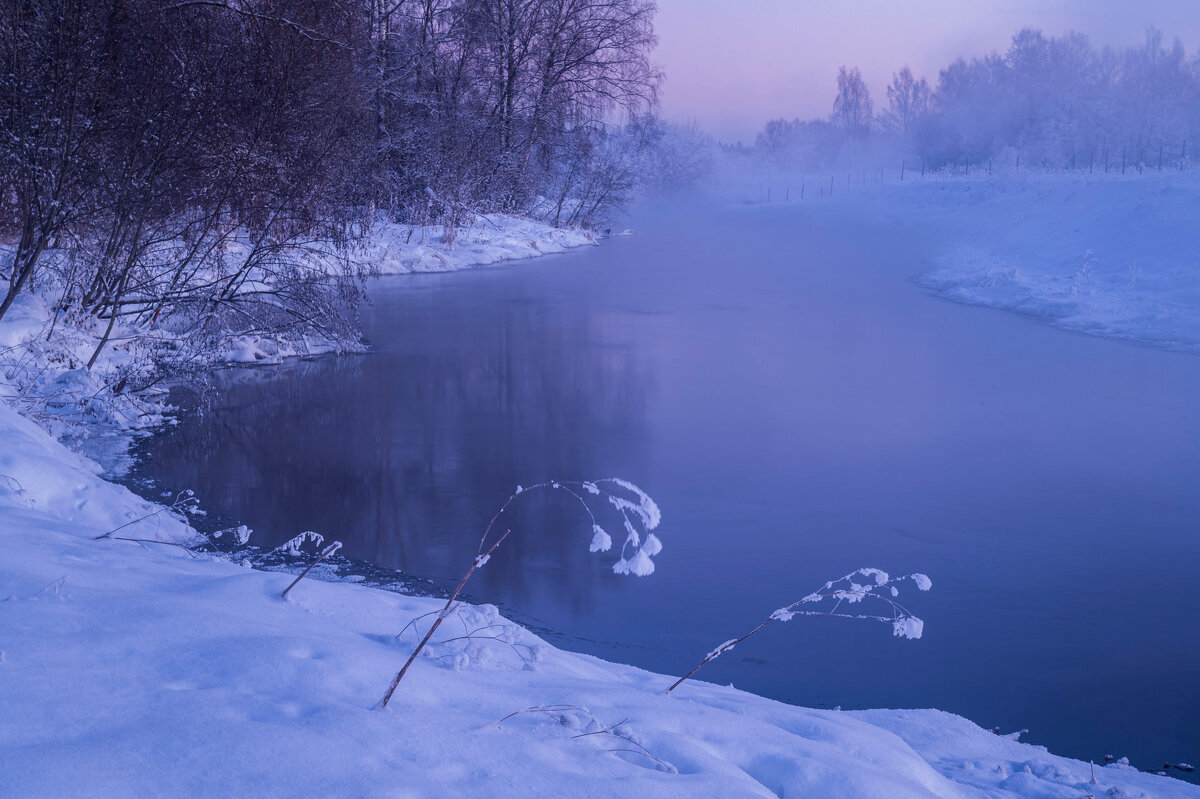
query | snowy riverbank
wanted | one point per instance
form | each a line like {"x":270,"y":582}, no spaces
{"x":42,"y":354}
{"x":400,"y":249}
{"x":1113,"y":256}
{"x":133,"y":668}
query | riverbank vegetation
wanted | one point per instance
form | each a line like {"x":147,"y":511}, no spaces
{"x":180,"y":175}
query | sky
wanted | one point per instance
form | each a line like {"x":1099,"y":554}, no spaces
{"x":730,"y":66}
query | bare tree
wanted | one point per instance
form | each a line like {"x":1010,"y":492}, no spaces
{"x":852,"y":109}
{"x":205,"y":164}
{"x":908,"y":102}
{"x":49,"y":90}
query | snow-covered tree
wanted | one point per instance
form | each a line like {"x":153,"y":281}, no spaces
{"x":852,"y":108}
{"x":908,"y":103}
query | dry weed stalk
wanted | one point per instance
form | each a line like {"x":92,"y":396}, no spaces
{"x":635,"y":507}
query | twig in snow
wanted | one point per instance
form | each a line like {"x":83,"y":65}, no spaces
{"x":143,"y":541}
{"x":563,"y":715}
{"x":55,"y":586}
{"x":185,"y":501}
{"x":334,"y":547}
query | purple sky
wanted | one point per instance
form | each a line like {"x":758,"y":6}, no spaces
{"x":731,"y":65}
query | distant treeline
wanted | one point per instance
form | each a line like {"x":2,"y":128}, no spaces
{"x":1052,"y":102}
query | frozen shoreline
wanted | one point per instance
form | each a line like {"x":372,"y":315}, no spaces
{"x":1108,"y":256}
{"x":43,"y":376}
{"x":142,"y":668}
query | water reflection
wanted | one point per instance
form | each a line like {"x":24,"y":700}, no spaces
{"x":405,"y":453}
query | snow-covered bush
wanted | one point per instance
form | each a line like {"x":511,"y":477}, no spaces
{"x":636,"y":511}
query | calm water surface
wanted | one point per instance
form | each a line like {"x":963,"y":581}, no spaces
{"x":799,"y":409}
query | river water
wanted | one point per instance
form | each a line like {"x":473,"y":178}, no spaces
{"x":798,"y":408}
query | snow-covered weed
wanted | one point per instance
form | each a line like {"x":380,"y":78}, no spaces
{"x":877,"y":589}
{"x":329,"y":550}
{"x":184,"y":504}
{"x":585,"y":724}
{"x":1082,"y":280}
{"x":53,"y":590}
{"x":13,"y":486}
{"x":239,"y":534}
{"x":292,"y":545}
{"x":483,"y":630}
{"x":638,"y":515}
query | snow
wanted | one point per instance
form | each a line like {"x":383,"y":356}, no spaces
{"x":1108,"y":256}
{"x":601,"y":541}
{"x":400,"y":249}
{"x":139,"y":668}
{"x":908,"y":627}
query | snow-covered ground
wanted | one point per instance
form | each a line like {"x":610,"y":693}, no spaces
{"x":1107,"y":255}
{"x":142,"y":669}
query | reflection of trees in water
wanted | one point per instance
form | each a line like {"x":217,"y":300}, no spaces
{"x":405,"y":454}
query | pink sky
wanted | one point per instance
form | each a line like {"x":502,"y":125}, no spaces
{"x":733,"y":65}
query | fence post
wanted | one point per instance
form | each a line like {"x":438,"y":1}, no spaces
{"x":831,"y":185}
{"x":1122,"y":159}
{"x":1160,"y":152}
{"x":901,"y":170}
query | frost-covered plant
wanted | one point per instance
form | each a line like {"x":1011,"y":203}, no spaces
{"x":185,"y":502}
{"x":878,"y":589}
{"x":329,"y":550}
{"x":292,"y":545}
{"x":574,"y":717}
{"x":638,"y":513}
{"x":239,"y":535}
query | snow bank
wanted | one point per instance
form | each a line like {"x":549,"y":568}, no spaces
{"x":130,"y":669}
{"x":44,"y":482}
{"x":1111,"y":256}
{"x":400,"y":249}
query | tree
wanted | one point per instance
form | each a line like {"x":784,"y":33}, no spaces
{"x":908,"y":102}
{"x":50,"y":90}
{"x":852,"y":110}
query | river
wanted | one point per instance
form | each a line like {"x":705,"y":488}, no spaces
{"x":799,"y":408}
